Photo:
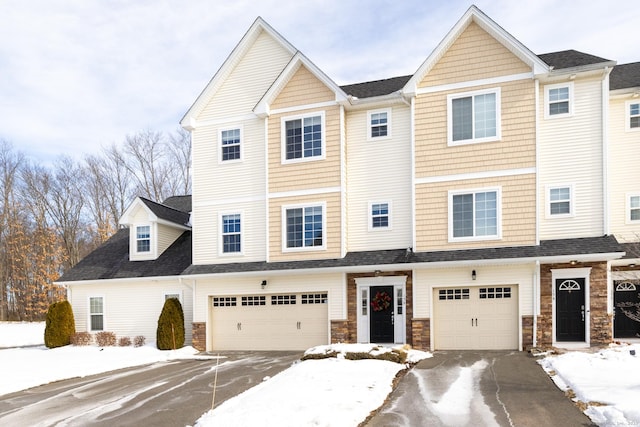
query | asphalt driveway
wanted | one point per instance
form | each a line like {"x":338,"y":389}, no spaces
{"x":469,"y":388}
{"x":172,"y":393}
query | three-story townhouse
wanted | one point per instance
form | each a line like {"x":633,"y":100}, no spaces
{"x":470,"y":205}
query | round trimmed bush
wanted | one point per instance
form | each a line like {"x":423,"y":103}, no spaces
{"x":60,"y":325}
{"x":170,"y":332}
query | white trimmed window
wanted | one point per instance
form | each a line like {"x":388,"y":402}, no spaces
{"x":475,"y":214}
{"x":380,"y":216}
{"x":230,"y":144}
{"x":474,"y":117}
{"x":143,"y":239}
{"x":558,"y":100}
{"x":378,"y":124}
{"x":633,"y":115}
{"x":168,"y":295}
{"x":559,"y":201}
{"x":633,"y":203}
{"x":231,"y":233}
{"x":304,"y":227}
{"x":96,"y":313}
{"x":303,"y":138}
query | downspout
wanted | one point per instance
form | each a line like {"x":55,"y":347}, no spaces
{"x":413,"y":172}
{"x":536,"y":310}
{"x":267,"y":201}
{"x":343,"y":185}
{"x":537,"y":140}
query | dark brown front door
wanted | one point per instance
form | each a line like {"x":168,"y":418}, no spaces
{"x":382,"y":311}
{"x":570,"y":309}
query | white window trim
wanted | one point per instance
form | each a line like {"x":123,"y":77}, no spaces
{"x":284,"y":227}
{"x":572,"y":201}
{"x":370,"y":216}
{"x":472,"y":94}
{"x":627,"y":215}
{"x":104,"y":316}
{"x":221,"y":233}
{"x":627,"y":116}
{"x":369,"y":126}
{"x":498,"y":235}
{"x":176,"y":292}
{"x":151,"y":251}
{"x":283,"y":138}
{"x":547,"y":88}
{"x":228,"y":128}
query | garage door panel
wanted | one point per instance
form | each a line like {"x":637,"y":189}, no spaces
{"x":470,"y":318}
{"x":270,"y":322}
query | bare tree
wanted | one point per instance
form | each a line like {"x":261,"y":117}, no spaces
{"x":179,"y":156}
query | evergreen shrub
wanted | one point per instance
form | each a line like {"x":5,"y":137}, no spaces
{"x":60,"y":325}
{"x":170,"y":332}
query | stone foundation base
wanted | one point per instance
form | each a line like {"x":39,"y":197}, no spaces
{"x":199,"y":337}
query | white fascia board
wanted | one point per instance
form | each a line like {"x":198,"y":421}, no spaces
{"x":590,"y":70}
{"x":124,"y":219}
{"x":262,"y":108}
{"x":628,"y":92}
{"x":120,"y":280}
{"x":188,"y":121}
{"x":173,"y":224}
{"x":375,"y":101}
{"x":473,"y":14}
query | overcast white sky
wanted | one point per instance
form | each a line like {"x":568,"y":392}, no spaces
{"x":76,"y":75}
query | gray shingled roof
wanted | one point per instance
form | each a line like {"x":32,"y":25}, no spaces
{"x":111,"y":260}
{"x":570,"y":58}
{"x":376,"y":87}
{"x":167,"y":213}
{"x":548,"y":248}
{"x":625,"y":76}
{"x":181,"y":203}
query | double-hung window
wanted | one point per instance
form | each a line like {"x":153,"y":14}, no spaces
{"x":633,"y":115}
{"x":474,"y":117}
{"x":304,"y":227}
{"x":303,"y":138}
{"x":379,"y":213}
{"x":96,"y":313}
{"x":230,"y":140}
{"x":633,"y":202}
{"x":231,"y":234}
{"x":559,"y":100}
{"x":379,"y":124}
{"x":474,"y":215}
{"x":143,"y":238}
{"x":560,"y":201}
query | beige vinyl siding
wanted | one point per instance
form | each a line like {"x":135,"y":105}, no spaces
{"x":474,"y":55}
{"x":332,"y":283}
{"x":518,"y":212}
{"x":516,"y":149}
{"x":570,"y":152}
{"x":332,"y":232}
{"x":310,"y":173}
{"x":490,"y":275}
{"x":624,"y":172}
{"x":131,"y":307}
{"x":206,"y":241}
{"x":379,"y":171}
{"x":303,"y":86}
{"x":248,"y":80}
{"x":166,"y":236}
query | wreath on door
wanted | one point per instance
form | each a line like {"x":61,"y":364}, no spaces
{"x":381,"y":301}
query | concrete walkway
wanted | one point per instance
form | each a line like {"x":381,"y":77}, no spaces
{"x":473,"y":388}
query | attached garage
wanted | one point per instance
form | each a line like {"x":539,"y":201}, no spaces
{"x":476,"y":318}
{"x":294,"y":321}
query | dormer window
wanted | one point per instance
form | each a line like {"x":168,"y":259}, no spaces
{"x":143,"y":239}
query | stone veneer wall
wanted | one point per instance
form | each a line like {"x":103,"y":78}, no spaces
{"x":421,"y":334}
{"x":347,"y":331}
{"x":199,"y":336}
{"x":601,"y":323}
{"x":527,"y":332}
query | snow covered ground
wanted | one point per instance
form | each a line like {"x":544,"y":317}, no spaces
{"x":607,"y":381}
{"x":336,"y":392}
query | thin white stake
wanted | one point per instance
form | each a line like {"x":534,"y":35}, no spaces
{"x":215,"y":382}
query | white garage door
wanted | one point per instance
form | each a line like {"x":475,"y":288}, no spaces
{"x":476,"y":318}
{"x":269,"y":322}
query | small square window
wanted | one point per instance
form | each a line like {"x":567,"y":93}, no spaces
{"x":379,"y":214}
{"x":633,"y":116}
{"x":559,"y":99}
{"x":560,"y":201}
{"x":379,"y":124}
{"x":634,"y":208}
